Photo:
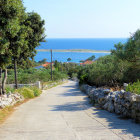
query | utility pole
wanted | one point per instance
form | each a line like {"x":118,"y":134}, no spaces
{"x":15,"y":70}
{"x":51,"y":65}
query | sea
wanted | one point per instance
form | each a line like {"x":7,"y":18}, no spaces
{"x":104,"y":44}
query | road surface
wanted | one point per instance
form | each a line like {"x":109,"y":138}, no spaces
{"x":64,"y":113}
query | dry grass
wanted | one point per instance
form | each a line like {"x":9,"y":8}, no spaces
{"x":7,"y":111}
{"x":115,"y":88}
{"x":4,"y":113}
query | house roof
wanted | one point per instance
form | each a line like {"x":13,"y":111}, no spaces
{"x":87,"y":62}
{"x":46,"y":64}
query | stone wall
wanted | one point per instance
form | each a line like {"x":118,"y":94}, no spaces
{"x":37,"y":84}
{"x":10,"y":99}
{"x":121,"y":102}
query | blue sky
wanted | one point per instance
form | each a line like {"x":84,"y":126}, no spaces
{"x":87,"y":18}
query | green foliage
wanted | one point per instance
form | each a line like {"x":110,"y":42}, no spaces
{"x":58,"y":65}
{"x":9,"y":89}
{"x":42,"y":61}
{"x":74,"y":75}
{"x":26,"y":76}
{"x":11,"y":16}
{"x":105,"y":71}
{"x":69,"y":59}
{"x":36,"y":91}
{"x":134,"y":88}
{"x":35,"y":34}
{"x":122,"y":66}
{"x":27,"y":93}
{"x":70,"y":69}
{"x":91,"y":58}
{"x":57,"y":75}
{"x":20,"y":34}
{"x":73,"y":70}
{"x":130,"y":53}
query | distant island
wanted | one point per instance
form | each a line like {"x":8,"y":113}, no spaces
{"x":74,"y":50}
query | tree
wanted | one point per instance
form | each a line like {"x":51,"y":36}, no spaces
{"x":91,"y":58}
{"x":42,"y":61}
{"x":20,"y":34}
{"x":11,"y":12}
{"x":30,"y":37}
{"x":130,"y":52}
{"x":58,"y":65}
{"x":4,"y":61}
{"x":36,"y":34}
{"x":69,"y":59}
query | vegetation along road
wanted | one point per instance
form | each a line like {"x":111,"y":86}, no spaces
{"x":64,"y":113}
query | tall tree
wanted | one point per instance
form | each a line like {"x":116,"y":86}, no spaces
{"x":35,"y":34}
{"x":11,"y":12}
{"x":130,"y":53}
{"x":20,"y":34}
{"x":28,"y":38}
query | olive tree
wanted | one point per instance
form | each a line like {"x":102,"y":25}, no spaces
{"x":11,"y":12}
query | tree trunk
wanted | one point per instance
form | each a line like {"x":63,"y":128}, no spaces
{"x":4,"y":81}
{"x":15,"y":70}
{"x":0,"y":81}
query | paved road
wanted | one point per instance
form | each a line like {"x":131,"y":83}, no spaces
{"x":64,"y":113}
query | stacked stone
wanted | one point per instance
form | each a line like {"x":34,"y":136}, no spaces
{"x":10,"y":99}
{"x":120,"y":102}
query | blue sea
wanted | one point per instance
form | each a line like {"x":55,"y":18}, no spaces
{"x":92,"y":44}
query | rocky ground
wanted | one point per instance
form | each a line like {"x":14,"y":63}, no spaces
{"x":10,"y":99}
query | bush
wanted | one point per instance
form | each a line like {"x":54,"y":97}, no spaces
{"x":36,"y":91}
{"x":32,"y":75}
{"x":74,"y":75}
{"x":9,"y":89}
{"x":57,"y":75}
{"x":122,"y":66}
{"x":26,"y":92}
{"x":134,"y":88}
{"x":104,"y":71}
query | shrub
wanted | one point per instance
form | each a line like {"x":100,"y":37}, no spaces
{"x":57,"y":75}
{"x":74,"y":75}
{"x":134,"y":88}
{"x":26,"y":92}
{"x":104,"y":71}
{"x":32,"y":75}
{"x":36,"y":91}
{"x":9,"y":89}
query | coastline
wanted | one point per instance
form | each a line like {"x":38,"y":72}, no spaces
{"x":74,"y":50}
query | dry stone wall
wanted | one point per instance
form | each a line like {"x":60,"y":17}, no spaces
{"x":120,"y":102}
{"x":10,"y":99}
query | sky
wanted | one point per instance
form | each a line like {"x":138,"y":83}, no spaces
{"x":87,"y":18}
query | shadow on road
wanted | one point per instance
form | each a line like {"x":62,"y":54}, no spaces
{"x":113,"y":121}
{"x":72,"y":106}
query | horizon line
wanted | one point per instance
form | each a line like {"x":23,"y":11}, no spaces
{"x":88,"y":38}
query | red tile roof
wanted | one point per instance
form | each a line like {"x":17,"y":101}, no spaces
{"x":87,"y":62}
{"x":46,"y":64}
